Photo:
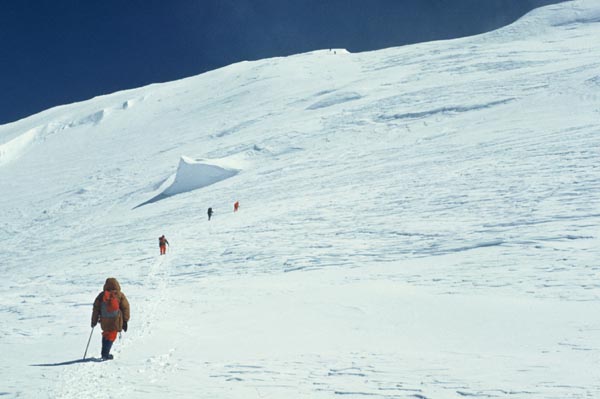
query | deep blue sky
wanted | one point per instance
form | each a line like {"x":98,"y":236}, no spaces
{"x":62,"y":51}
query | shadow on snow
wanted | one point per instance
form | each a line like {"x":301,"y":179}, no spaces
{"x":70,"y":362}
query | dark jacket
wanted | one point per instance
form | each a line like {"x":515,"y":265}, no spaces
{"x":162,"y":241}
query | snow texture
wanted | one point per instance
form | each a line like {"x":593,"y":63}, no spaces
{"x":415,"y":222}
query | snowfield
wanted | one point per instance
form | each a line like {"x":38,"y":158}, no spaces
{"x":415,"y":222}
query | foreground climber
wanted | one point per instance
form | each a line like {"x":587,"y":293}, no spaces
{"x":111,"y":309}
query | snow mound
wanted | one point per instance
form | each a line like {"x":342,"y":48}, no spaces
{"x":91,"y":119}
{"x":16,"y":144}
{"x":194,"y":174}
{"x":13,"y":149}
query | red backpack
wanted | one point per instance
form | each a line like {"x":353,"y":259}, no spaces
{"x":109,"y":308}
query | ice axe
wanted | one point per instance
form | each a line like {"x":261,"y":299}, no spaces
{"x":88,"y":344}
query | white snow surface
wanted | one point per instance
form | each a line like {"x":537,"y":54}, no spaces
{"x":415,"y":222}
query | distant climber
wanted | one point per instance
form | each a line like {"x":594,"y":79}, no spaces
{"x":210,"y":212}
{"x":111,"y":309}
{"x":162,"y":244}
{"x":236,"y":206}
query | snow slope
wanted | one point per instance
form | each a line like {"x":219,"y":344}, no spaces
{"x":415,"y":222}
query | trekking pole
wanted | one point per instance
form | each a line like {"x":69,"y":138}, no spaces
{"x":88,"y":344}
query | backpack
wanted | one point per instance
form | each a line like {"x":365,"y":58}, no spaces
{"x":109,"y":307}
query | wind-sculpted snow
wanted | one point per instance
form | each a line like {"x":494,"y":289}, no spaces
{"x":21,"y":143}
{"x":444,"y":110}
{"x":14,"y":148}
{"x":415,"y":222}
{"x":545,"y":20}
{"x":335,"y":99}
{"x":577,"y":12}
{"x":192,"y":175}
{"x":595,"y":80}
